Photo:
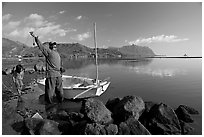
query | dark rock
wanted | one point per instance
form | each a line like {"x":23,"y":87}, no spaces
{"x":62,"y":113}
{"x":42,"y":126}
{"x":132,"y":127}
{"x":18,"y":118}
{"x":9,"y":115}
{"x":190,"y":110}
{"x":39,"y":66}
{"x":95,"y":111}
{"x":76,"y":116}
{"x":79,"y":127}
{"x":183,"y":115}
{"x":7,"y":71}
{"x":95,"y":129}
{"x":58,"y":117}
{"x":49,"y":127}
{"x":111,"y":129}
{"x":20,"y":128}
{"x":4,"y":72}
{"x":129,"y":106}
{"x":123,"y":129}
{"x":31,"y":71}
{"x":185,"y":128}
{"x":33,"y":125}
{"x":65,"y":127}
{"x":149,"y":105}
{"x":18,"y":123}
{"x":111,"y":103}
{"x":144,"y":118}
{"x":163,"y":121}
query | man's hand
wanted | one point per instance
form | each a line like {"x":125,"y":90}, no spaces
{"x":32,"y":34}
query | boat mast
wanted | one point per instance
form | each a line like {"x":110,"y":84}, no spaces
{"x":95,"y":43}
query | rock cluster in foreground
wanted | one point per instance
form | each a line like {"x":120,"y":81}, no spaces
{"x":129,"y":115}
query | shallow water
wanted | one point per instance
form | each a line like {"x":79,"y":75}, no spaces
{"x":173,"y":81}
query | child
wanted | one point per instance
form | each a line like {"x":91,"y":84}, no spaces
{"x":18,"y":74}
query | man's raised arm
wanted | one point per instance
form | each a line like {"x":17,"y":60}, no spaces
{"x":45,"y":50}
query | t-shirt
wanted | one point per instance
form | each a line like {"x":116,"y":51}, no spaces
{"x":53,"y":60}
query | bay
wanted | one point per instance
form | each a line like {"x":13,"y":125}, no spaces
{"x":172,"y":81}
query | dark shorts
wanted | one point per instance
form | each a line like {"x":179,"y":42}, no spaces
{"x":53,"y":87}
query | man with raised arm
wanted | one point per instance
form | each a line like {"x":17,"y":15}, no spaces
{"x":53,"y":82}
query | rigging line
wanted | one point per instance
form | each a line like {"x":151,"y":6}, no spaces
{"x":6,"y":87}
{"x":95,"y":42}
{"x":25,"y":43}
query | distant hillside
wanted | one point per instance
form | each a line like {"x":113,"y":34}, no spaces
{"x":138,"y":51}
{"x":74,"y":50}
{"x":11,"y":48}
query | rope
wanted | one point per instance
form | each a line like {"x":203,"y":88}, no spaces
{"x":95,"y":43}
{"x":6,"y":87}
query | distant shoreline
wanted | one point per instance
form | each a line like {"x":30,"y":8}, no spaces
{"x":173,"y":57}
{"x":109,"y":58}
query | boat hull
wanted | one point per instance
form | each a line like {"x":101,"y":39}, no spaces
{"x":72,"y":88}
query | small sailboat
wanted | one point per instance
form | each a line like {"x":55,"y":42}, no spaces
{"x":80,"y":87}
{"x":75,"y":87}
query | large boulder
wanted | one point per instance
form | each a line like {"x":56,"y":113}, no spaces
{"x":95,"y":129}
{"x":132,"y":127}
{"x":144,"y":118}
{"x":39,"y":66}
{"x":38,"y":126}
{"x":76,"y":117}
{"x":95,"y":111}
{"x":190,"y":110}
{"x":183,"y":115}
{"x":33,"y":125}
{"x":111,"y":129}
{"x":111,"y":103}
{"x":163,"y":121}
{"x":129,"y":106}
{"x":7,"y":71}
{"x":79,"y":127}
{"x":98,"y":129}
{"x":49,"y":127}
{"x":185,"y":128}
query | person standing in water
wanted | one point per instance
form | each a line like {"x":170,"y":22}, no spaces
{"x":53,"y":82}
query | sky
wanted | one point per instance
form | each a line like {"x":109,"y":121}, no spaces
{"x":168,"y":28}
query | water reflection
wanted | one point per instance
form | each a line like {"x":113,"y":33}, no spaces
{"x":157,"y":72}
{"x":137,"y":66}
{"x":76,"y":64}
{"x":82,"y":63}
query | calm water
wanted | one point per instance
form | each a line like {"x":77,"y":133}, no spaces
{"x":171,"y":81}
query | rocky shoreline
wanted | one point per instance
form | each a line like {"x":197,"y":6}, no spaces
{"x":130,"y":115}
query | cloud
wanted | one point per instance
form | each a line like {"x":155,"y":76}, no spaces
{"x":23,"y":33}
{"x":79,"y":17}
{"x":154,"y":39}
{"x":61,"y":12}
{"x":6,"y":17}
{"x":36,"y":23}
{"x":81,"y":37}
{"x":10,"y":26}
{"x":35,"y":20}
{"x":14,"y":33}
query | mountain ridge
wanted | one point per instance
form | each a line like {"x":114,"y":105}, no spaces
{"x":75,"y":50}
